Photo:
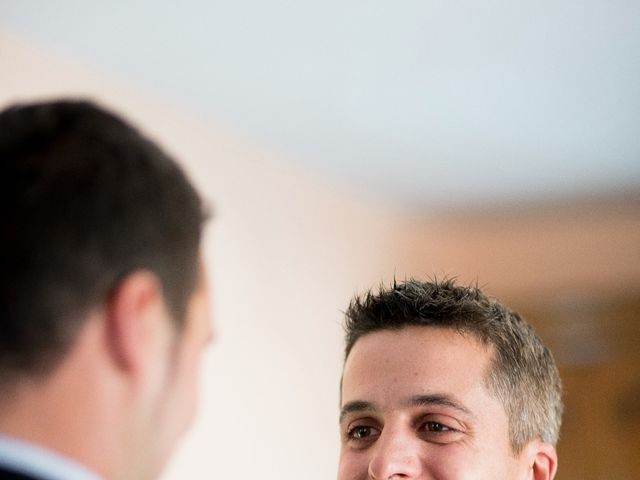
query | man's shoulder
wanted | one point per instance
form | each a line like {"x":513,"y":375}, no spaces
{"x":6,"y":474}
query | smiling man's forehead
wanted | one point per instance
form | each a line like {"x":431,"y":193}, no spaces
{"x":433,"y":364}
{"x":419,"y":347}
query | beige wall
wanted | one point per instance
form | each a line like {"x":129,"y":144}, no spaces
{"x":579,"y":246}
{"x":286,"y":251}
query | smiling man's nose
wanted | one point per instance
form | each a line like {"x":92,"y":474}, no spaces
{"x":396,"y":457}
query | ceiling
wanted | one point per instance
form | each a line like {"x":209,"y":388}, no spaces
{"x":425,"y":103}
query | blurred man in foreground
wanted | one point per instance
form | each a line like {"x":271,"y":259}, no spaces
{"x":442,"y":382}
{"x":103,"y":310}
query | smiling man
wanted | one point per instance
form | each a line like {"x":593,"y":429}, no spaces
{"x":103,"y":297}
{"x":442,"y":382}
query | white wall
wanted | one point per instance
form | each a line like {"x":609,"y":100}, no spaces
{"x":285,"y":251}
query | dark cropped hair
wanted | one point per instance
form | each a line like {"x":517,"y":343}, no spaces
{"x":522,"y":374}
{"x":86,"y":199}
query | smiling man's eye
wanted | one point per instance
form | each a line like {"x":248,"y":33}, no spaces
{"x":437,"y":432}
{"x":437,"y":427}
{"x":361,"y":432}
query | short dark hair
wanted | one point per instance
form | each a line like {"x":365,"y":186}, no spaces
{"x":522,"y":375}
{"x":86,"y":199}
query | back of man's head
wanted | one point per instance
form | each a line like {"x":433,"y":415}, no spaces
{"x":86,"y":200}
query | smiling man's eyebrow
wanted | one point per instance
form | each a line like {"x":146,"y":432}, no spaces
{"x":438,"y":399}
{"x":355,"y":407}
{"x":358,"y":406}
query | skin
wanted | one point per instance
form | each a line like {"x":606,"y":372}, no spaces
{"x":414,"y":406}
{"x":174,"y":404}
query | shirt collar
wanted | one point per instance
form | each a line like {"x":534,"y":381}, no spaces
{"x":35,"y":460}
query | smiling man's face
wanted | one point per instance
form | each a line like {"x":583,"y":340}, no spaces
{"x":415,"y":406}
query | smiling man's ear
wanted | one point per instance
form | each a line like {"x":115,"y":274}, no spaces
{"x":543,"y":460}
{"x":132,"y":313}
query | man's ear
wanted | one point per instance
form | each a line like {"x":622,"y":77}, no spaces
{"x":131,"y":312}
{"x":543,"y":460}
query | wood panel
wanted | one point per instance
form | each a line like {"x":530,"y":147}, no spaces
{"x":597,"y":346}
